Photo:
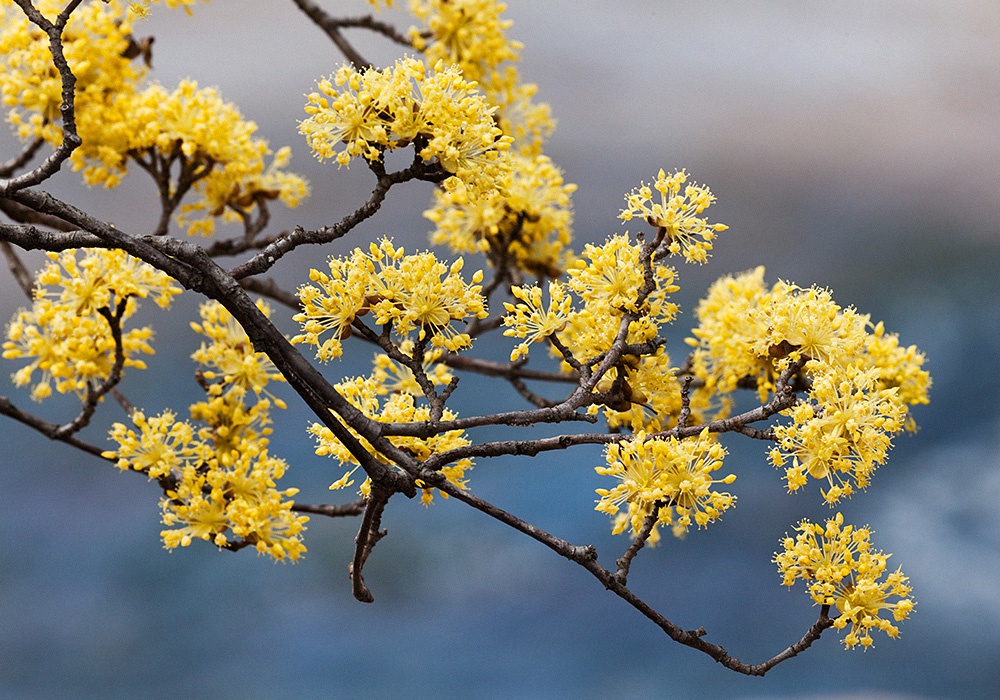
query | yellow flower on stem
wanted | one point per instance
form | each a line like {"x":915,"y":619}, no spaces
{"x":530,"y":321}
{"x":411,"y":292}
{"x":673,"y":476}
{"x":679,"y":213}
{"x":841,"y":435}
{"x":841,"y":569}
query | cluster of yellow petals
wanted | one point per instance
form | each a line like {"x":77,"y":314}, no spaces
{"x":410,"y":292}
{"x":140,"y":8}
{"x":585,"y":313}
{"x":68,"y":341}
{"x":860,"y":381}
{"x":220,"y":479}
{"x":531,"y":320}
{"x":400,"y":407}
{"x":727,"y":332}
{"x":842,"y":569}
{"x":529,"y":218}
{"x":471,"y":34}
{"x":467,"y":33}
{"x":188,"y":130}
{"x":841,"y":434}
{"x":95,"y":43}
{"x":678,"y":212}
{"x":210,"y":140}
{"x":230,"y":357}
{"x":673,"y":476}
{"x":364,"y":113}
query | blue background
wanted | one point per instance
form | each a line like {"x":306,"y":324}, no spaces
{"x":853,"y":145}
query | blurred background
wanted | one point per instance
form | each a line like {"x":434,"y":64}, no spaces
{"x":854,"y":145}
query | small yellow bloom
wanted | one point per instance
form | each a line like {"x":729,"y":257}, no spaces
{"x":842,"y":569}
{"x":676,"y":212}
{"x":674,"y":476}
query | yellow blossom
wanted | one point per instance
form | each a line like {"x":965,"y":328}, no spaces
{"x":393,"y":376}
{"x":441,"y":112}
{"x":729,"y":324}
{"x":365,"y":394}
{"x":469,"y":33}
{"x":530,"y":321}
{"x":842,"y":434}
{"x":529,"y":219}
{"x":63,"y":333}
{"x":673,"y":476}
{"x":808,"y":323}
{"x":187,"y":135}
{"x":237,"y":366}
{"x":842,"y":569}
{"x":222,"y":481}
{"x":411,"y":292}
{"x":898,"y":367}
{"x":95,"y":44}
{"x":162,"y":446}
{"x":676,"y":212}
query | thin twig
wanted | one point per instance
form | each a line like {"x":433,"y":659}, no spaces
{"x":271,"y":253}
{"x":49,"y":430}
{"x":268,"y":287}
{"x":625,"y":561}
{"x":368,"y":536}
{"x":17,"y":268}
{"x":342,"y":511}
{"x":330,"y":26}
{"x":71,"y":141}
{"x":95,"y":394}
{"x":21,"y":159}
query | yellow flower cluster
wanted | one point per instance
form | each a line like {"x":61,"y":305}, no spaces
{"x":400,"y":407}
{"x":672,"y":476}
{"x":527,"y":219}
{"x":466,"y":33}
{"x":69,"y":341}
{"x":95,"y":44}
{"x":441,"y":113}
{"x":220,"y":479}
{"x":842,"y":569}
{"x":727,"y":332}
{"x":187,"y":130}
{"x":210,"y":140}
{"x":841,"y":434}
{"x":530,"y":220}
{"x":236,"y":365}
{"x":472,"y":35}
{"x":410,"y":292}
{"x":532,"y":321}
{"x":606,"y":282}
{"x":860,"y":383}
{"x":140,"y":8}
{"x":679,"y":213}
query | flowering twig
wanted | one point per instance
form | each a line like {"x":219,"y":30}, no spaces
{"x":95,"y":394}
{"x":71,"y":141}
